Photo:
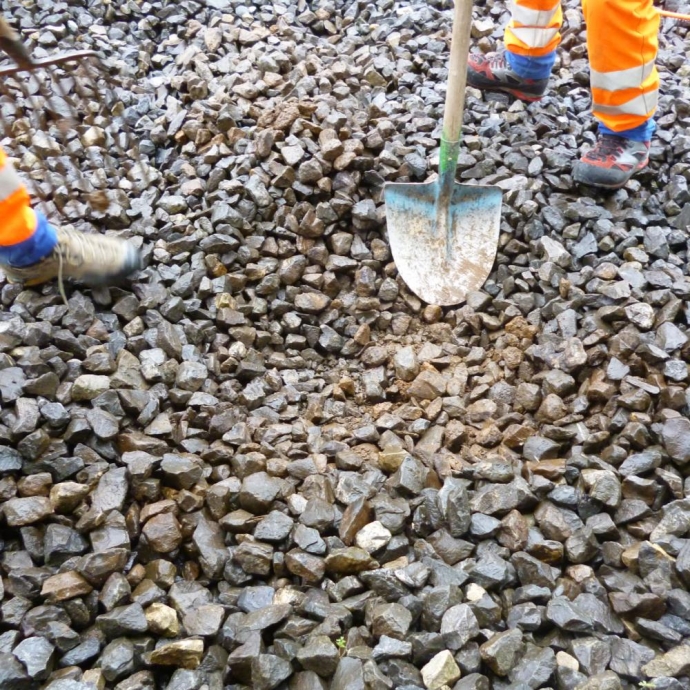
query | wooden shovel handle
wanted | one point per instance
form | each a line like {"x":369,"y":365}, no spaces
{"x":457,"y":70}
{"x":675,"y":15}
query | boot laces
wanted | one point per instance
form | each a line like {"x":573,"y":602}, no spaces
{"x":606,"y":147}
{"x":498,"y":61}
{"x":78,"y":248}
{"x":61,"y":277}
{"x":75,"y":250}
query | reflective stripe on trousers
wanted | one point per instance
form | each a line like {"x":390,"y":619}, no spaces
{"x":17,"y":218}
{"x":9,"y":180}
{"x":622,"y":41}
{"x":534,"y":27}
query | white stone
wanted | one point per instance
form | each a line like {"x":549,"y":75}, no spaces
{"x":566,"y":661}
{"x":292,"y":154}
{"x":482,"y":27}
{"x":406,"y":364}
{"x":297,"y":503}
{"x":555,"y":251}
{"x":441,"y":670}
{"x":474,"y":592}
{"x":641,"y":315}
{"x":373,"y":537}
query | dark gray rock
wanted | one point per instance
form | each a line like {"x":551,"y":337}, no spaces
{"x":502,"y":652}
{"x":37,"y":656}
{"x":535,"y":667}
{"x":13,"y":675}
{"x":269,"y":671}
{"x":458,"y":626}
{"x":123,"y":620}
{"x":349,"y":675}
{"x":319,"y":655}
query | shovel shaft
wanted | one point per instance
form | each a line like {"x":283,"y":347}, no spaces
{"x":675,"y":15}
{"x":447,"y":164}
{"x":455,"y":100}
{"x":457,"y":70}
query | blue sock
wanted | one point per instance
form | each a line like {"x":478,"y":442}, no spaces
{"x":31,"y":251}
{"x":642,"y":132}
{"x":531,"y":67}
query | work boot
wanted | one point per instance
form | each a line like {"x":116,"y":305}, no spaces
{"x":612,"y":162}
{"x":492,"y":72}
{"x":92,"y":259}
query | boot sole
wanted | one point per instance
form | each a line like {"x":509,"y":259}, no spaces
{"x":89,"y":280}
{"x":133,"y":264}
{"x":620,"y":185}
{"x":516,"y":93}
{"x":523,"y":97}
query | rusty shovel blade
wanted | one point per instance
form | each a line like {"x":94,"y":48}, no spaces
{"x":443,"y":251}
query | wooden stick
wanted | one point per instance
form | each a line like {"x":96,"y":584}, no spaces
{"x":457,"y":70}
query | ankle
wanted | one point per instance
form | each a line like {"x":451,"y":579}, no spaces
{"x":531,"y":67}
{"x":33,"y":249}
{"x":642,"y":133}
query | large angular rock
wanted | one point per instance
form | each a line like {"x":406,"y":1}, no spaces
{"x":459,"y":625}
{"x":676,"y":437}
{"x":503,"y":651}
{"x":26,"y":511}
{"x":441,"y":671}
{"x":349,"y":675}
{"x":429,"y":385}
{"x":181,"y":654}
{"x":675,"y":662}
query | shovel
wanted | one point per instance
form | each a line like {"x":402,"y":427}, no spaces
{"x":444,"y":235}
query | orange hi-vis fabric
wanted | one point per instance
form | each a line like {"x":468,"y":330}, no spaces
{"x":17,"y":219}
{"x":622,"y":41}
{"x":26,"y":237}
{"x":534,"y":27}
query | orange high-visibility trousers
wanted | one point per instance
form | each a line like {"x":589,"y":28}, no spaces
{"x":17,"y":218}
{"x":622,"y":41}
{"x":25,"y":235}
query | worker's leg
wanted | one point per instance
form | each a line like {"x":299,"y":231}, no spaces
{"x":32,"y":251}
{"x":622,"y":41}
{"x":532,"y":37}
{"x":25,"y":236}
{"x":531,"y":40}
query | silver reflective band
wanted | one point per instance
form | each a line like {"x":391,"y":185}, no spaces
{"x":534,"y":37}
{"x":621,"y":79}
{"x":9,"y":181}
{"x":641,"y":105}
{"x":529,"y":17}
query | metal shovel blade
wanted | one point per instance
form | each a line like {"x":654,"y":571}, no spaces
{"x":443,"y":251}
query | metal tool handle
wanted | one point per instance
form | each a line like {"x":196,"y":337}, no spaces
{"x":13,"y":46}
{"x":455,"y":96}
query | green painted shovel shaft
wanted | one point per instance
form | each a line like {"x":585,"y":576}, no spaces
{"x":447,"y":165}
{"x":455,"y":102}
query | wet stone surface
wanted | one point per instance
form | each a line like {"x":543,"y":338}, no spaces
{"x":264,"y":463}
